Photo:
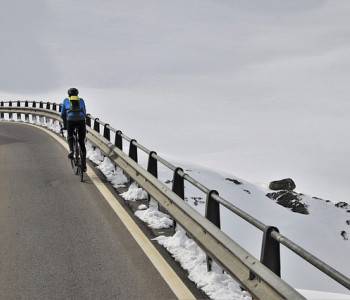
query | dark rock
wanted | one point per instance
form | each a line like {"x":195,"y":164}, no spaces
{"x":344,"y":234}
{"x":343,"y":205}
{"x":284,"y":184}
{"x":168,"y":181}
{"x":235,"y":181}
{"x":348,"y":222}
{"x":247,"y":191}
{"x":290,"y":200}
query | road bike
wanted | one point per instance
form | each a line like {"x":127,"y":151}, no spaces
{"x":77,"y":157}
{"x":76,"y":160}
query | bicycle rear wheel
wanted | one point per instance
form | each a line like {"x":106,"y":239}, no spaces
{"x":77,"y":157}
{"x":72,"y":164}
{"x":81,"y":175}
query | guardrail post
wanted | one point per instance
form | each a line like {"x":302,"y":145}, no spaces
{"x":26,"y":116}
{"x":106,"y":132}
{"x":133,"y":150}
{"x":1,"y":114}
{"x":47,"y":105}
{"x":34,"y":104}
{"x":88,"y":120}
{"x":178,"y":186}
{"x":54,"y":106}
{"x":118,"y":141}
{"x":152,"y":168}
{"x":10,"y":114}
{"x":270,"y":251}
{"x":60,"y":108}
{"x":212,"y":213}
{"x":97,"y":125}
{"x":212,"y":209}
{"x":18,"y":114}
{"x":41,"y":104}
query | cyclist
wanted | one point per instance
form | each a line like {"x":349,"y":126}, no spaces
{"x":73,"y":114}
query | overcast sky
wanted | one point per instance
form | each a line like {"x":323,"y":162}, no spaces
{"x":262,"y":85}
{"x":106,"y":44}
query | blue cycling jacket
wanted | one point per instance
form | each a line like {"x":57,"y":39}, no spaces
{"x":73,"y":109}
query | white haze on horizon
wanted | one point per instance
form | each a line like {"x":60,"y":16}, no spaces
{"x":258,"y":90}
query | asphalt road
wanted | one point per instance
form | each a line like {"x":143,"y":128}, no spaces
{"x":59,"y":238}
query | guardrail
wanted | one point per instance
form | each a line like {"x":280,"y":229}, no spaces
{"x":260,"y":278}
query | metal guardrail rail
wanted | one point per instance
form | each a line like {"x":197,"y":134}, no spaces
{"x":260,"y":278}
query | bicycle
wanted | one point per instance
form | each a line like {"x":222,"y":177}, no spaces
{"x":77,"y":155}
{"x":76,"y":160}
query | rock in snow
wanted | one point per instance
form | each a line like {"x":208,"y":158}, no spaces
{"x":290,"y":200}
{"x":283,"y":184}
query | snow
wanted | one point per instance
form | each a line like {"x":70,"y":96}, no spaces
{"x":142,"y":207}
{"x":134,"y":193}
{"x":94,"y":154}
{"x":113,"y":173}
{"x":317,"y":295}
{"x":319,"y":232}
{"x":215,"y":284}
{"x":154,"y":218}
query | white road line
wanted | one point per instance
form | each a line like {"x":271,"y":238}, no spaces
{"x":171,"y":278}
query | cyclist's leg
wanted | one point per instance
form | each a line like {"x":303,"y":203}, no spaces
{"x":82,"y":136}
{"x":70,"y":130}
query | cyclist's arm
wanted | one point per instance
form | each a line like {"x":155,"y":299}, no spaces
{"x":64,"y":114}
{"x":83,"y":108}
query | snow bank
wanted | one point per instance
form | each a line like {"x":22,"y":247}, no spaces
{"x":94,"y":154}
{"x":215,"y":284}
{"x":113,"y":174}
{"x":134,"y":193}
{"x":154,"y":218}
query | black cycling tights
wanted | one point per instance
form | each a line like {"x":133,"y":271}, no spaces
{"x":71,"y":125}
